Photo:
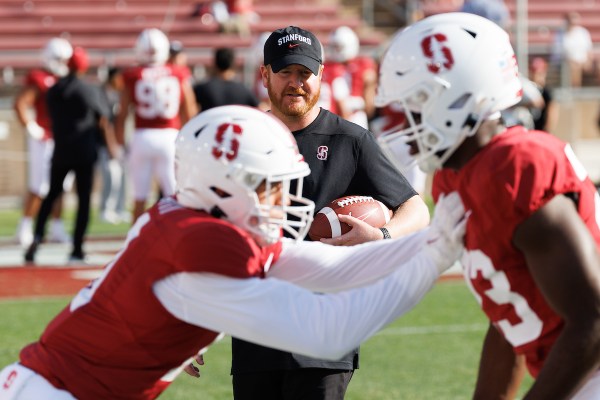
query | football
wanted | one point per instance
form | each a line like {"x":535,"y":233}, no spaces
{"x":327,"y":225}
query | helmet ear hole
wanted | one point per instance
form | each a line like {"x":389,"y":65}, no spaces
{"x":220,"y":192}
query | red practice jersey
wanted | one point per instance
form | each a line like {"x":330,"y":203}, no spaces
{"x":503,"y":185}
{"x":156,"y":92}
{"x":42,"y":81}
{"x":335,"y":84}
{"x":357,"y":68}
{"x":115,"y":340}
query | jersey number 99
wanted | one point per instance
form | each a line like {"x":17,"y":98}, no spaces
{"x":157,"y":98}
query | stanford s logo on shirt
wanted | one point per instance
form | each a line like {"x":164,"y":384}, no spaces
{"x":322,"y":153}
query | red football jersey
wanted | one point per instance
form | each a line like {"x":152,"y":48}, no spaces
{"x":358,"y":67}
{"x":156,"y":92}
{"x":334,"y":71}
{"x":118,"y":322}
{"x":42,"y":80}
{"x":504,"y":184}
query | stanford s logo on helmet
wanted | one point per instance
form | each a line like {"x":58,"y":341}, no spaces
{"x":225,"y":153}
{"x":227,"y":144}
{"x":440,"y":55}
{"x":454,"y":70}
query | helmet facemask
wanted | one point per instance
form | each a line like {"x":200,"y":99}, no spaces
{"x":266,"y":218}
{"x":434,"y":145}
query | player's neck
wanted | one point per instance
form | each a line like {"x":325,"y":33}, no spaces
{"x":227,"y":75}
{"x":473,"y":144}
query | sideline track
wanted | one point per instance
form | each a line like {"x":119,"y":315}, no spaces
{"x":52,"y":275}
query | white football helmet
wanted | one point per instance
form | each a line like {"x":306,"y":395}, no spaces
{"x":55,"y":56}
{"x":456,"y":70}
{"x":222,"y":156}
{"x":152,"y":47}
{"x":343,"y":44}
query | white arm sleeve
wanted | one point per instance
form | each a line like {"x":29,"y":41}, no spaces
{"x":280,"y":315}
{"x":325,"y":268}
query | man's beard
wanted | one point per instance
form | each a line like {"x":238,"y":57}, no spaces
{"x":295,"y":110}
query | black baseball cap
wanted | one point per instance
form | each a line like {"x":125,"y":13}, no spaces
{"x":293,"y":45}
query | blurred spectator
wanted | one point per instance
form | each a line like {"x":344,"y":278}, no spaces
{"x":161,"y":97}
{"x":40,"y":143}
{"x":112,"y":170}
{"x":349,"y":80}
{"x":546,"y":117}
{"x":241,"y":17}
{"x":573,"y":49}
{"x":232,"y":16}
{"x":494,"y":10}
{"x":78,"y":115}
{"x":177,"y":55}
{"x":223,"y":88}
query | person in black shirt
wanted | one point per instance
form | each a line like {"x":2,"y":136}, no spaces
{"x":223,"y":89}
{"x":344,"y":159}
{"x":78,"y":115}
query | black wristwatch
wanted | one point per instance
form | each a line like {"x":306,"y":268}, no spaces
{"x":386,"y":234}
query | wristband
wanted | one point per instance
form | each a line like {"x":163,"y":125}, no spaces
{"x":386,"y":234}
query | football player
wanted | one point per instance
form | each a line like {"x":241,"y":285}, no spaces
{"x":40,"y":143}
{"x":531,"y":246}
{"x":349,"y":79}
{"x":211,"y":259}
{"x":162,"y":99}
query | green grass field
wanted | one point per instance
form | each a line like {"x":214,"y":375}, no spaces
{"x":430,"y":353}
{"x":9,"y":218}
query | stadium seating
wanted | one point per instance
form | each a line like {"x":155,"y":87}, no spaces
{"x":108,"y":28}
{"x":545,"y":17}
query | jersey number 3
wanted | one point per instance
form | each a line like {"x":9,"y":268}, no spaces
{"x":530,"y":326}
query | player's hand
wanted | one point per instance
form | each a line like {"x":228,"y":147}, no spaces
{"x":34,"y":130}
{"x":361,"y":232}
{"x":115,"y":151}
{"x":445,"y":239}
{"x":191,"y":369}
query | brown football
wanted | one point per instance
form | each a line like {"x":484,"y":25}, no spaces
{"x":327,"y":225}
